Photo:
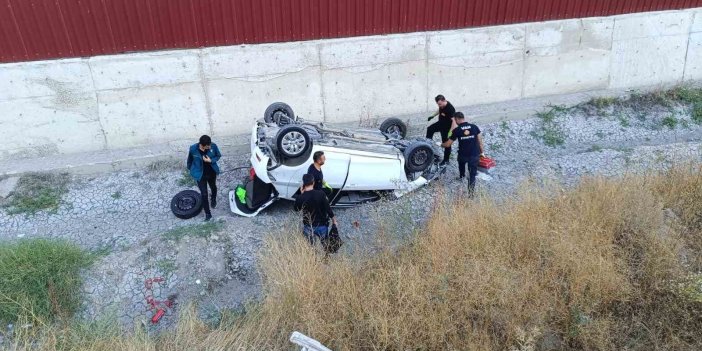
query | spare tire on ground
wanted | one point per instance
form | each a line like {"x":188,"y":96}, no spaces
{"x":394,"y":126}
{"x":186,"y":204}
{"x":279,"y":113}
{"x":419,"y":155}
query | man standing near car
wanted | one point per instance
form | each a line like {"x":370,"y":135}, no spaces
{"x":470,"y":149}
{"x":202,"y":164}
{"x":315,"y":170}
{"x":315,"y":208}
{"x":443,"y":125}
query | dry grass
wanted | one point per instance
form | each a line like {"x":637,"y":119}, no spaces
{"x":598,"y":267}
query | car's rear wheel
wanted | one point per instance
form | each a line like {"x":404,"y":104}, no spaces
{"x":279,"y":113}
{"x":186,"y":204}
{"x":293,"y":141}
{"x":418,"y":156}
{"x":394,"y":126}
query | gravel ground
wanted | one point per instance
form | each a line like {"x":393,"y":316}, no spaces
{"x":125,"y":216}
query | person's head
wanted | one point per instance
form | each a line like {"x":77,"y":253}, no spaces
{"x":460,"y":118}
{"x":319,"y":158}
{"x":205,"y":142}
{"x":307,"y":180}
{"x":441,"y":101}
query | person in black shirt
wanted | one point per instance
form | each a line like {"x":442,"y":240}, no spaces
{"x":470,"y":148}
{"x":443,"y":125}
{"x":315,"y":170}
{"x":202,"y":164}
{"x":316,"y":210}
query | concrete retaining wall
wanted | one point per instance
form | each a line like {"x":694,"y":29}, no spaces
{"x":112,"y":102}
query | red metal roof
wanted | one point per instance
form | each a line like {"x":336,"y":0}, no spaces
{"x":45,"y":29}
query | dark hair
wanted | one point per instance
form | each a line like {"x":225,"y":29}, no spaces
{"x":205,"y":140}
{"x":458,"y":115}
{"x":439,"y":98}
{"x":307,"y":179}
{"x":317,"y":155}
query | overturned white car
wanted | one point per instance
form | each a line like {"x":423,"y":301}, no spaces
{"x":361,"y":164}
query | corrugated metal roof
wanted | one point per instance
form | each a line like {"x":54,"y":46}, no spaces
{"x":44,"y":29}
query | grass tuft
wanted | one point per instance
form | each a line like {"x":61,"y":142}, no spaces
{"x":550,"y":132}
{"x":186,"y":179}
{"x":37,"y":192}
{"x":697,"y":113}
{"x":200,"y":230}
{"x":40,"y":278}
{"x":670,"y":121}
{"x":603,"y":102}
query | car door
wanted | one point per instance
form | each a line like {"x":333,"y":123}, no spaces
{"x":335,"y":170}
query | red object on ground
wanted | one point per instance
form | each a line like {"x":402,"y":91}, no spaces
{"x":158,"y":305}
{"x":486,"y":162}
{"x":157,"y":316}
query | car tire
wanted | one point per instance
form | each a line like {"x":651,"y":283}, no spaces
{"x":394,"y":125}
{"x":292,"y":141}
{"x":279,"y":113}
{"x":419,"y":155}
{"x":186,"y":204}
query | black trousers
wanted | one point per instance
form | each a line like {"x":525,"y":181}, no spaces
{"x":444,"y":128}
{"x":202,"y":185}
{"x":472,"y":163}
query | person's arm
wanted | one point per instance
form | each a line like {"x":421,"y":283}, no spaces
{"x":328,"y":210}
{"x":452,"y":137}
{"x":189,"y":162}
{"x":217,"y":154}
{"x":298,"y":204}
{"x":433,"y":115}
{"x":480,"y":143}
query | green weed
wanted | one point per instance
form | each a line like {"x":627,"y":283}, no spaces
{"x":200,"y":230}
{"x":40,"y":278}
{"x":38,"y":192}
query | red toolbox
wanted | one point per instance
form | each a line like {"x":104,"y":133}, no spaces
{"x":486,"y":162}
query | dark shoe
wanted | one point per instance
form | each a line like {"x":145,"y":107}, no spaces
{"x":208,"y":217}
{"x":213,"y":202}
{"x":443,"y":163}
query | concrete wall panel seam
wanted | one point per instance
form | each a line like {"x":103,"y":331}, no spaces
{"x":426,"y":68}
{"x":323,"y":100}
{"x":524,"y":60}
{"x":206,"y":93}
{"x":97,"y":109}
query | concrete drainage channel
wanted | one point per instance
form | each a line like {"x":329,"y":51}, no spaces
{"x":125,"y":215}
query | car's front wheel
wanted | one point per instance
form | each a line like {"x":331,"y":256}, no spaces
{"x":419,"y":155}
{"x":293,"y":141}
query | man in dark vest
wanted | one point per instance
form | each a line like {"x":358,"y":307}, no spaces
{"x":470,"y":149}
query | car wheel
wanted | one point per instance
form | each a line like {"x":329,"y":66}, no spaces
{"x":394,"y":126}
{"x":279,"y":113}
{"x":186,"y":204}
{"x":418,"y":156}
{"x":293,"y":141}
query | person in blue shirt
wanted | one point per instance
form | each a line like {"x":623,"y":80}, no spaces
{"x":470,"y":148}
{"x":202,"y":164}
